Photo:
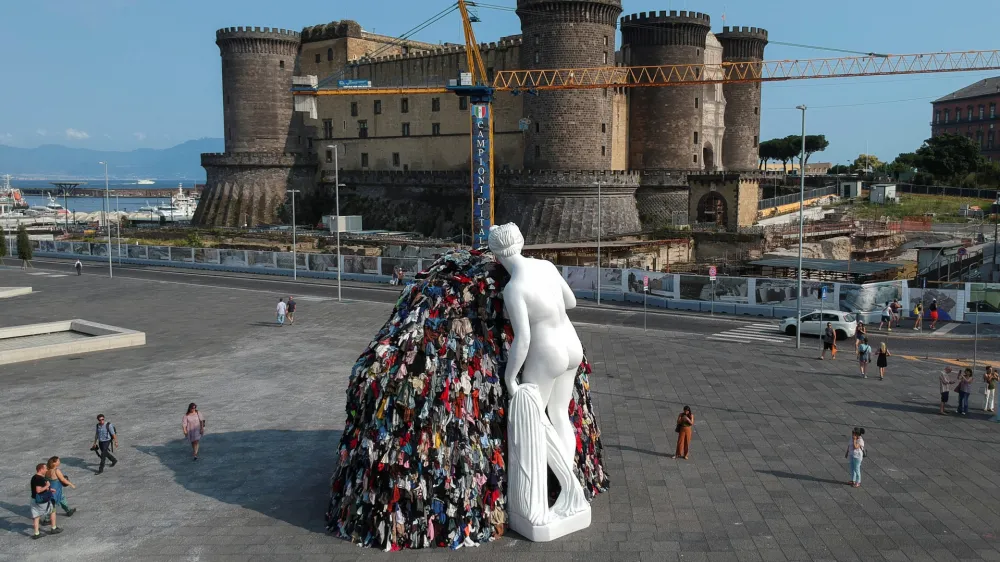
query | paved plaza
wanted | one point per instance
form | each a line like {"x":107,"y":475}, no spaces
{"x":765,"y":480}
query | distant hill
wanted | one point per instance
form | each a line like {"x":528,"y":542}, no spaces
{"x":52,"y":161}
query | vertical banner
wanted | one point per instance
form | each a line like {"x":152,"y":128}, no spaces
{"x":482,"y":173}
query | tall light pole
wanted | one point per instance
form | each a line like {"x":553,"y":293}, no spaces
{"x":118,"y":228}
{"x":996,"y":231}
{"x":107,"y":208}
{"x":295,"y":261}
{"x":600,"y":227}
{"x":802,"y":198}
{"x":336,"y":189}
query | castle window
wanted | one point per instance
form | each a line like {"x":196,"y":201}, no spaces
{"x":406,"y":129}
{"x":538,"y":57}
{"x":309,"y":142}
{"x":364,"y":159}
{"x":695,"y":158}
{"x":435,"y":104}
{"x":377,"y":108}
{"x":538,"y":127}
{"x":696,"y":103}
{"x":463,"y":103}
{"x":756,"y":111}
{"x":354,"y":109}
{"x":329,"y":54}
{"x":329,"y":156}
{"x":435,"y":129}
{"x":538,"y":151}
{"x":755,"y":141}
{"x":696,"y":137}
{"x":605,"y":58}
{"x":281,"y":64}
{"x":227,"y":100}
{"x":536,"y":40}
{"x":328,"y":128}
{"x":605,"y":40}
{"x":404,"y":105}
{"x":604,"y":151}
{"x":362,"y":128}
{"x":395,"y":159}
{"x":604,"y":127}
{"x":317,"y":58}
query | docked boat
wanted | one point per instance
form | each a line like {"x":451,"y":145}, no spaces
{"x":11,"y":197}
{"x":180,"y":209}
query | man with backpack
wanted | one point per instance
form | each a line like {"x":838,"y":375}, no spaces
{"x":104,"y":435}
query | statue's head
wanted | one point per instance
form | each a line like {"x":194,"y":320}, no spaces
{"x":506,"y":240}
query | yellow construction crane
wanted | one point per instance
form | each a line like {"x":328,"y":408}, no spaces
{"x":476,"y":86}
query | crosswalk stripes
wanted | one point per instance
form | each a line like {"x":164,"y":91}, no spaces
{"x":752,"y":333}
{"x":46,"y":274}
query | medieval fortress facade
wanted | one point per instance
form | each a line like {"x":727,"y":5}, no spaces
{"x":404,"y":159}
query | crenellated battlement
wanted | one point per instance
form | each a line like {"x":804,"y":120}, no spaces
{"x":332,"y":30}
{"x":248,"y":32}
{"x":485,"y":48}
{"x":663,"y":16}
{"x":689,"y":29}
{"x":540,"y":12}
{"x":742,"y":43}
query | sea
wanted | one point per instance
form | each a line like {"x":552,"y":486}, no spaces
{"x":93,"y":204}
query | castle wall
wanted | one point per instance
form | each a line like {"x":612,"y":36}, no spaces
{"x":742,"y":138}
{"x":569,"y":129}
{"x":619,"y":130}
{"x":248,"y":188}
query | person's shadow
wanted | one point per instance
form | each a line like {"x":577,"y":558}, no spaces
{"x":280,"y":474}
{"x":20,"y":521}
{"x":77,"y":462}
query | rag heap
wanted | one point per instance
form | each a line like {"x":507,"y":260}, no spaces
{"x":422,"y":459}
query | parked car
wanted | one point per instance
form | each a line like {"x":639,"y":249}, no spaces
{"x":813,"y":324}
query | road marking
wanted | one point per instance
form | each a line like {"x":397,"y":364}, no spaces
{"x":57,"y":275}
{"x":945,"y":329}
{"x":752,"y":333}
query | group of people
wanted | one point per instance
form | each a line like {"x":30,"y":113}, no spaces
{"x":864,"y":351}
{"x":963,"y":385}
{"x":286,"y":310}
{"x":49,"y":483}
{"x":892,"y":314}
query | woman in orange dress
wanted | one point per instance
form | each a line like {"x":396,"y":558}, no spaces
{"x":685,"y":422}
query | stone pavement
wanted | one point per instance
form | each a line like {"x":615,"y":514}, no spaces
{"x":764,"y":481}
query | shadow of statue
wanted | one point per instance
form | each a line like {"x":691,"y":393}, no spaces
{"x":281,"y":474}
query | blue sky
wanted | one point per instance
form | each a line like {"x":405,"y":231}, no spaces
{"x":125,"y":74}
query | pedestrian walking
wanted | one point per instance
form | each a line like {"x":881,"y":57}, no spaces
{"x":864,"y":357}
{"x":829,"y":342}
{"x":57,"y":482}
{"x":918,"y":315}
{"x":685,"y":423}
{"x":79,"y":267}
{"x":290,"y":307}
{"x":897,"y":311}
{"x":934,"y":314}
{"x":104,"y":437}
{"x":41,"y":501}
{"x":856,"y":453}
{"x":860,"y":333}
{"x":882,"y":361}
{"x":946,"y":383}
{"x":282,"y":308}
{"x":886,"y":317}
{"x":990,"y":399}
{"x":964,"y":388}
{"x":193,"y":426}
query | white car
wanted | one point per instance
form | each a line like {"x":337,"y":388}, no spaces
{"x":813,"y":324}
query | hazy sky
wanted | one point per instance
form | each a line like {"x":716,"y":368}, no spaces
{"x":124,"y":74}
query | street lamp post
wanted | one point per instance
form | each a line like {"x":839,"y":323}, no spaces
{"x":336,"y":188}
{"x":802,"y":197}
{"x":118,"y":228}
{"x":600,"y":227}
{"x":107,"y":209}
{"x":295,"y":261}
{"x":996,"y":231}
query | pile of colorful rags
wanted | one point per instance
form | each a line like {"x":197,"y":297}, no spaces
{"x":422,"y":458}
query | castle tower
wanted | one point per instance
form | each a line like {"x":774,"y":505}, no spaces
{"x":742,"y":136}
{"x":571,"y":129}
{"x":264,"y":150}
{"x":665,"y":123}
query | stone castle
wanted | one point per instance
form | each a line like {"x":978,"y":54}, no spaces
{"x":404,"y":158}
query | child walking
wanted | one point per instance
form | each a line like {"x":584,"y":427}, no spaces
{"x":856,"y":453}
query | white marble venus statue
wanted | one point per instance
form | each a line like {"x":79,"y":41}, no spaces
{"x":548,"y":349}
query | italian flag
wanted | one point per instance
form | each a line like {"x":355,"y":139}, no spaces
{"x":479,"y":111}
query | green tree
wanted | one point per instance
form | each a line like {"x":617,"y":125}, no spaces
{"x":814,"y":144}
{"x":769,"y":150}
{"x":904,"y":163}
{"x":3,"y":245}
{"x":867,"y":163}
{"x":23,"y":244}
{"x":949,"y":157}
{"x":839,"y":169}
